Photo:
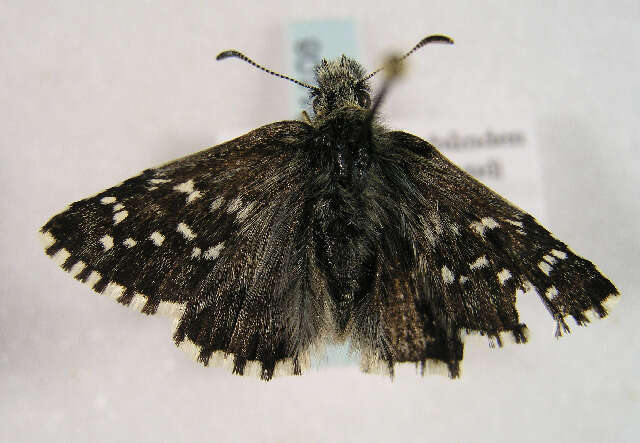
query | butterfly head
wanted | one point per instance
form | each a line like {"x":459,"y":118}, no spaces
{"x":341,"y":83}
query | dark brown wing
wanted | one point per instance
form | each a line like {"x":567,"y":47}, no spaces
{"x":455,"y":253}
{"x":216,"y":240}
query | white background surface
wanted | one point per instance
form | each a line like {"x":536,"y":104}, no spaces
{"x":92,"y":93}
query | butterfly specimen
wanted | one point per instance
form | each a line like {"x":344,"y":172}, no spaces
{"x":332,"y":228}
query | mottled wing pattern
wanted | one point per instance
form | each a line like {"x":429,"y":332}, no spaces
{"x":216,"y":240}
{"x":454,"y":255}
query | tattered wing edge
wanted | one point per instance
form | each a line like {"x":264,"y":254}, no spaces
{"x":174,"y":311}
{"x":374,"y":365}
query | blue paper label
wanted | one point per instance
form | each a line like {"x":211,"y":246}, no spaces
{"x":310,"y":42}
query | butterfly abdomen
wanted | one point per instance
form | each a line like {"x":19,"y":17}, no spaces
{"x":343,"y":250}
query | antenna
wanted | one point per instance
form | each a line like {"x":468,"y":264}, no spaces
{"x":394,"y":67}
{"x":436,"y":38}
{"x":237,"y":54}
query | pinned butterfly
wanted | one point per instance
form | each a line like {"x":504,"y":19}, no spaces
{"x":302,"y":233}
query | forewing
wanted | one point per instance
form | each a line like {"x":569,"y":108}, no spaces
{"x":216,"y":240}
{"x":454,"y":257}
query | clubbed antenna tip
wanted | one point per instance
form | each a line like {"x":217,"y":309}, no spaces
{"x":228,"y":53}
{"x":436,"y":38}
{"x":394,"y":66}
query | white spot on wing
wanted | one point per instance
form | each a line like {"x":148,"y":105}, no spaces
{"x":193,"y":195}
{"x":188,"y":188}
{"x":107,"y":200}
{"x":447,"y":275}
{"x":119,"y":216}
{"x":107,"y":242}
{"x":463,"y":279}
{"x":559,"y":254}
{"x":484,"y":224}
{"x":244,"y":213}
{"x":545,"y":267}
{"x":157,"y":181}
{"x":156,"y":238}
{"x":190,"y":348}
{"x":213,"y":252}
{"x":515,"y":223}
{"x":47,"y":239}
{"x":186,"y":231}
{"x":138,"y":302}
{"x":77,"y":268}
{"x":170,"y":309}
{"x":215,"y":205}
{"x":478,"y":227}
{"x":490,"y":223}
{"x":196,"y":252}
{"x":551,"y":293}
{"x":221,"y":360}
{"x":114,"y":290}
{"x":503,"y":276}
{"x":118,"y":207}
{"x":253,"y":368}
{"x":549,"y":259}
{"x":61,"y":256}
{"x":480,"y":262}
{"x":129,"y":242}
{"x":283,"y":367}
{"x":93,"y":278}
{"x":527,"y":286}
{"x":236,"y":203}
{"x":610,"y":302}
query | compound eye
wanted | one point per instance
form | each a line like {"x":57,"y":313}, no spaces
{"x":364,"y":99}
